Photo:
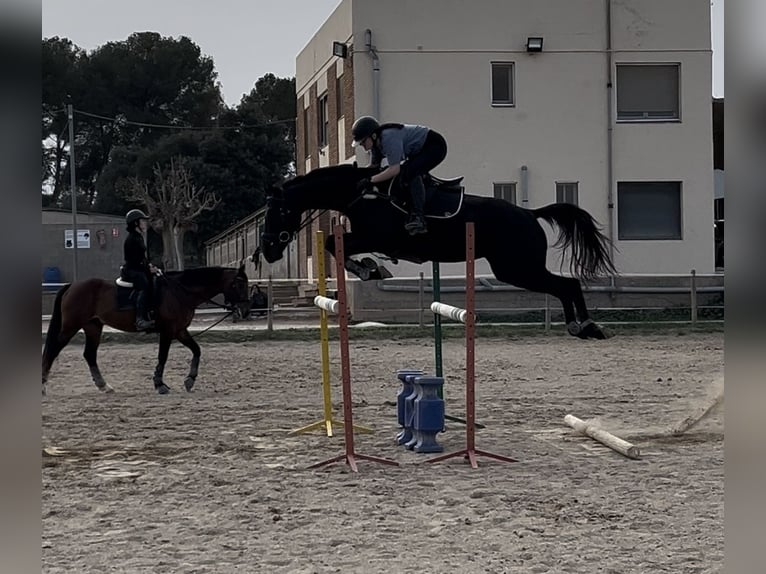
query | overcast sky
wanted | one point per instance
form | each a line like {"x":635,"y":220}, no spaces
{"x":245,"y":38}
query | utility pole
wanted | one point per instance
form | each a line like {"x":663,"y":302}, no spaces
{"x":73,"y":189}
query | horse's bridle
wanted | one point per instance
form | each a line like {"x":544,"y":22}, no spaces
{"x":284,"y":237}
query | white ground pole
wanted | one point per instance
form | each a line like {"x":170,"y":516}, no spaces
{"x":607,"y":439}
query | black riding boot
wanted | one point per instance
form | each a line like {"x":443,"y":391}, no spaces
{"x":417,"y":221}
{"x":143,"y":323}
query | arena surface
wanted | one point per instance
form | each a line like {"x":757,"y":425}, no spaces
{"x":210,"y":481}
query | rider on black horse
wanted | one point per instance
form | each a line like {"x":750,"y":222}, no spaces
{"x":137,"y":268}
{"x":411,"y":151}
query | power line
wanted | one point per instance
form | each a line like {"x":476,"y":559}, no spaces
{"x":175,"y":127}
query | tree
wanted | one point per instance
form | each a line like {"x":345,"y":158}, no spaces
{"x":238,"y":162}
{"x":62,"y":63}
{"x":174,"y":203}
{"x":146,"y":79}
{"x":275,"y":98}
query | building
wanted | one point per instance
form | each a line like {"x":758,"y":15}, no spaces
{"x":605,"y":104}
{"x":99,"y":245}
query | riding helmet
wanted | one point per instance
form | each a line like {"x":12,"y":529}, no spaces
{"x":134,"y":215}
{"x":364,"y":127}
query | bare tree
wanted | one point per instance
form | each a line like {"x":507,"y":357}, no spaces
{"x":174,"y":203}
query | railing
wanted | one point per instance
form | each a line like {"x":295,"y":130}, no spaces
{"x":548,"y":309}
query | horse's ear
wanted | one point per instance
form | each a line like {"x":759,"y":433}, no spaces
{"x":355,"y":164}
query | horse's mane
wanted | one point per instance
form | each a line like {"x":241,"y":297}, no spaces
{"x":320,"y":172}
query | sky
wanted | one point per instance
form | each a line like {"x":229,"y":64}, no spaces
{"x":246,"y":38}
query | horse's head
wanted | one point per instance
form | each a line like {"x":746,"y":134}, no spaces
{"x":282,"y":222}
{"x":236,"y":290}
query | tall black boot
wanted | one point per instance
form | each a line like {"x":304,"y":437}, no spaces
{"x":417,"y":221}
{"x":143,"y":323}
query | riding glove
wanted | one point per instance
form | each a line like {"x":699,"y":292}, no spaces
{"x":364,"y":185}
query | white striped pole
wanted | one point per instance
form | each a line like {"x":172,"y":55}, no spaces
{"x":454,"y":313}
{"x":327,"y":304}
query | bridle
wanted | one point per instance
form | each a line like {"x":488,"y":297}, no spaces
{"x":284,"y":237}
{"x":228,"y":304}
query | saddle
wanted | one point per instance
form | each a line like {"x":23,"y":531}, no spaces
{"x":126,"y":295}
{"x":444,"y":197}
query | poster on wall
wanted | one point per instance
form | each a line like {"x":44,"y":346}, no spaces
{"x":83,"y":239}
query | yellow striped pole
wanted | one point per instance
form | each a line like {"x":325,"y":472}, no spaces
{"x":328,"y":421}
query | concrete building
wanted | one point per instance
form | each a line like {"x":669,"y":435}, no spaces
{"x":612,"y":113}
{"x":99,"y":247}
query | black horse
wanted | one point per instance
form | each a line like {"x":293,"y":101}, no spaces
{"x":508,"y":236}
{"x":91,"y":303}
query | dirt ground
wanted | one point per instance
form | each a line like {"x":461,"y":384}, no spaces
{"x":211,"y":482}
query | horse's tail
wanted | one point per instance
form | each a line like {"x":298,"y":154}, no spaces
{"x":54,"y":327}
{"x":580,"y":232}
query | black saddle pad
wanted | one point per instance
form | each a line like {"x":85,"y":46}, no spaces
{"x":126,"y":298}
{"x":444,"y":198}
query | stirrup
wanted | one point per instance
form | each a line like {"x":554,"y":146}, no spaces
{"x":416,"y":225}
{"x":144,"y":324}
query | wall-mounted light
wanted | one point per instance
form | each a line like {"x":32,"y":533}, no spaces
{"x":339,"y":49}
{"x":534,"y":44}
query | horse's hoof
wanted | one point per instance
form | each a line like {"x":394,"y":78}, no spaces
{"x":369,"y":262}
{"x":574,"y":329}
{"x":593,"y":331}
{"x":189,"y":384}
{"x":163,"y":389}
{"x":357,"y":269}
{"x":106,"y":389}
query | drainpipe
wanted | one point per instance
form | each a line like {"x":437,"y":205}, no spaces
{"x":375,"y":73}
{"x":524,"y":187}
{"x":609,"y":131}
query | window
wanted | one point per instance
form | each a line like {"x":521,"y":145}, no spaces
{"x":323,"y":120}
{"x":649,"y":210}
{"x":566,"y":193}
{"x":648,"y":92}
{"x":306,"y":132}
{"x":339,"y":97}
{"x":502,"y":84}
{"x":506,"y":191}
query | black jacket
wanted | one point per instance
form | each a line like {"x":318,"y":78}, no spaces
{"x":134,"y":249}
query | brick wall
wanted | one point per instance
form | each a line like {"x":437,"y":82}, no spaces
{"x":306,"y":238}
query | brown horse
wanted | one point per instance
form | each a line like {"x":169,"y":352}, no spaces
{"x":92,"y":303}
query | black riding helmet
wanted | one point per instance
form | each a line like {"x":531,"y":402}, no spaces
{"x":364,"y":127}
{"x":134,"y":215}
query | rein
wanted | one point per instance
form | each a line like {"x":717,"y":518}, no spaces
{"x":189,"y":292}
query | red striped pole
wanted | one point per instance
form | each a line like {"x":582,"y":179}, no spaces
{"x":350,"y":455}
{"x":470,"y":451}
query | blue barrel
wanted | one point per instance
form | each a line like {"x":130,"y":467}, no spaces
{"x":409,"y":438}
{"x":52,"y":275}
{"x":405,"y":391}
{"x":429,"y":414}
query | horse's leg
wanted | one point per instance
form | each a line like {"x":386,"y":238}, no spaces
{"x":54,"y":344}
{"x":539,"y":279}
{"x":162,"y":358}
{"x":569,"y":292}
{"x":588,"y":328}
{"x":93,"y":331}
{"x":186,"y":339}
{"x":366,"y":269}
